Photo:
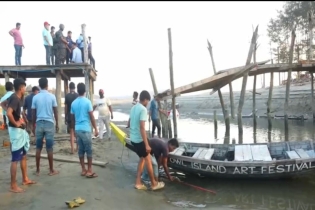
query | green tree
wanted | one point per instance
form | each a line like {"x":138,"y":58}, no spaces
{"x":2,"y":90}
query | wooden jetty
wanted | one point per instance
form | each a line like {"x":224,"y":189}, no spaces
{"x":60,"y":72}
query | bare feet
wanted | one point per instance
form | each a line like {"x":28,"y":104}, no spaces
{"x":28,"y":182}
{"x":54,"y":172}
{"x":17,"y":189}
{"x":37,"y":173}
{"x":83,"y":173}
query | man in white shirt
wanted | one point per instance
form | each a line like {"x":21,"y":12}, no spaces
{"x":105,"y":114}
{"x":76,"y":54}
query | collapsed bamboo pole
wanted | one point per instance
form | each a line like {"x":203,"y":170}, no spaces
{"x":172,"y":81}
{"x":161,"y":116}
{"x":287,"y":92}
{"x":232,"y":101}
{"x":311,"y":26}
{"x":270,"y":93}
{"x":245,"y":76}
{"x":219,"y":90}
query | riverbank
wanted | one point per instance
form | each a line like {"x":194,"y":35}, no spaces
{"x":300,"y":102}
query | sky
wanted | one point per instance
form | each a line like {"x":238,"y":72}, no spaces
{"x":131,"y":37}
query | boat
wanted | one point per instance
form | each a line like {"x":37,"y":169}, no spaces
{"x":258,"y":161}
{"x":291,"y":117}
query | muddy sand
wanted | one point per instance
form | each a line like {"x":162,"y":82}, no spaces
{"x":112,"y":189}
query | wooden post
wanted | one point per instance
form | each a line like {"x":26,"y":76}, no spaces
{"x":6,"y":77}
{"x":270,"y":94}
{"x":287,"y":92}
{"x":87,"y":71}
{"x":278,"y":63}
{"x":172,"y":81}
{"x":91,"y":91}
{"x":58,"y":96}
{"x":215,"y":122}
{"x":232,"y":101}
{"x":311,"y":25}
{"x":269,"y":129}
{"x":65,"y":91}
{"x":254,"y":85}
{"x":312,"y":92}
{"x":219,"y":90}
{"x":161,"y":116}
{"x":245,"y":76}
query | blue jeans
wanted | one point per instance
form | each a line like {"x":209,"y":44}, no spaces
{"x":145,"y":175}
{"x":45,"y":129}
{"x":48,"y":52}
{"x":84,"y":141}
{"x":18,"y":54}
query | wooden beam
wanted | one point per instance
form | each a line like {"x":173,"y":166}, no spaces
{"x":64,"y":75}
{"x":312,"y":93}
{"x":86,"y":69}
{"x":232,"y":101}
{"x":245,"y":76}
{"x":65,"y":90}
{"x":287,"y":92}
{"x":254,"y":86}
{"x":91,"y":91}
{"x":169,"y":97}
{"x":172,"y":81}
{"x":58,"y":96}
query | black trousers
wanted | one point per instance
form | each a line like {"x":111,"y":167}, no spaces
{"x":68,"y":57}
{"x":92,"y":61}
{"x":156,"y":124}
{"x":82,"y":53}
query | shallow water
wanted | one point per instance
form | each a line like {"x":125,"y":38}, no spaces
{"x":297,"y":194}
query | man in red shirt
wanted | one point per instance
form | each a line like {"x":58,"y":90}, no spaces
{"x":18,"y":43}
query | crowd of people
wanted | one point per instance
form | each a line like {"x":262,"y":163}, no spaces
{"x":59,"y":49}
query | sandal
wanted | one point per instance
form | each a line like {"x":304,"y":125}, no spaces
{"x":93,"y":175}
{"x":141,"y":187}
{"x":72,"y":204}
{"x":79,"y":200}
{"x":159,"y":186}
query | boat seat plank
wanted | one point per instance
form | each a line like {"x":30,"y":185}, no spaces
{"x":292,"y":155}
{"x":202,"y":154}
{"x":310,"y":153}
{"x":197,"y":153}
{"x":302,"y":153}
{"x":209,"y":154}
{"x":178,"y":151}
{"x":243,"y":153}
{"x":260,"y":153}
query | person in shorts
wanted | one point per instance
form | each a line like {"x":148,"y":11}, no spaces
{"x":81,"y":118}
{"x":27,"y":110}
{"x":138,"y":137}
{"x":69,"y":98}
{"x":19,"y":138}
{"x":10,"y":90}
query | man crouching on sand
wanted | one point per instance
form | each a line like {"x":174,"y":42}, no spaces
{"x":138,"y":137}
{"x":19,"y":138}
{"x":81,"y":116}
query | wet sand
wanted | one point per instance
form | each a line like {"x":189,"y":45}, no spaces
{"x":112,"y":189}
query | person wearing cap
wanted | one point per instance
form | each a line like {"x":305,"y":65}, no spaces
{"x":69,"y":98}
{"x":62,"y":46}
{"x":105,"y":114}
{"x":10,"y":90}
{"x":92,"y":61}
{"x":53,"y":48}
{"x":48,"y":41}
{"x":19,"y":138}
{"x":27,"y":110}
{"x":18,"y":43}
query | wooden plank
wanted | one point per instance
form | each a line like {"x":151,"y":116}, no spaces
{"x":310,"y":153}
{"x":197,"y":153}
{"x":209,"y":154}
{"x":292,"y":155}
{"x":260,"y":153}
{"x":68,"y":159}
{"x":243,"y":153}
{"x":302,"y":153}
{"x":202,"y":154}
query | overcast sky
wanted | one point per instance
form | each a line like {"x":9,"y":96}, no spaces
{"x":131,"y":37}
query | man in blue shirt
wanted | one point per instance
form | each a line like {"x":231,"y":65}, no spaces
{"x":27,"y":109}
{"x":81,"y":118}
{"x":9,"y":89}
{"x":154,"y":115}
{"x":80,"y":44}
{"x":44,"y":110}
{"x":138,"y":137}
{"x":48,"y":41}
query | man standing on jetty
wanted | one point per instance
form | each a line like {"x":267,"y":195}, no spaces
{"x":62,"y":45}
{"x":105,"y":114}
{"x":138,"y":137}
{"x":18,"y":43}
{"x":69,"y":98}
{"x":18,"y":136}
{"x":53,"y":48}
{"x":44,"y":109}
{"x":70,"y":43}
{"x":10,"y":91}
{"x":90,"y":55}
{"x":81,"y":118}
{"x":154,"y":115}
{"x":48,"y":42}
{"x":27,"y":107}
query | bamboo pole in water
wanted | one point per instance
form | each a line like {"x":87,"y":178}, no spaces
{"x":161,"y":116}
{"x":287,"y":92}
{"x":219,"y":90}
{"x":245,"y":76}
{"x":311,"y":26}
{"x":270,"y":94}
{"x":172,"y":81}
